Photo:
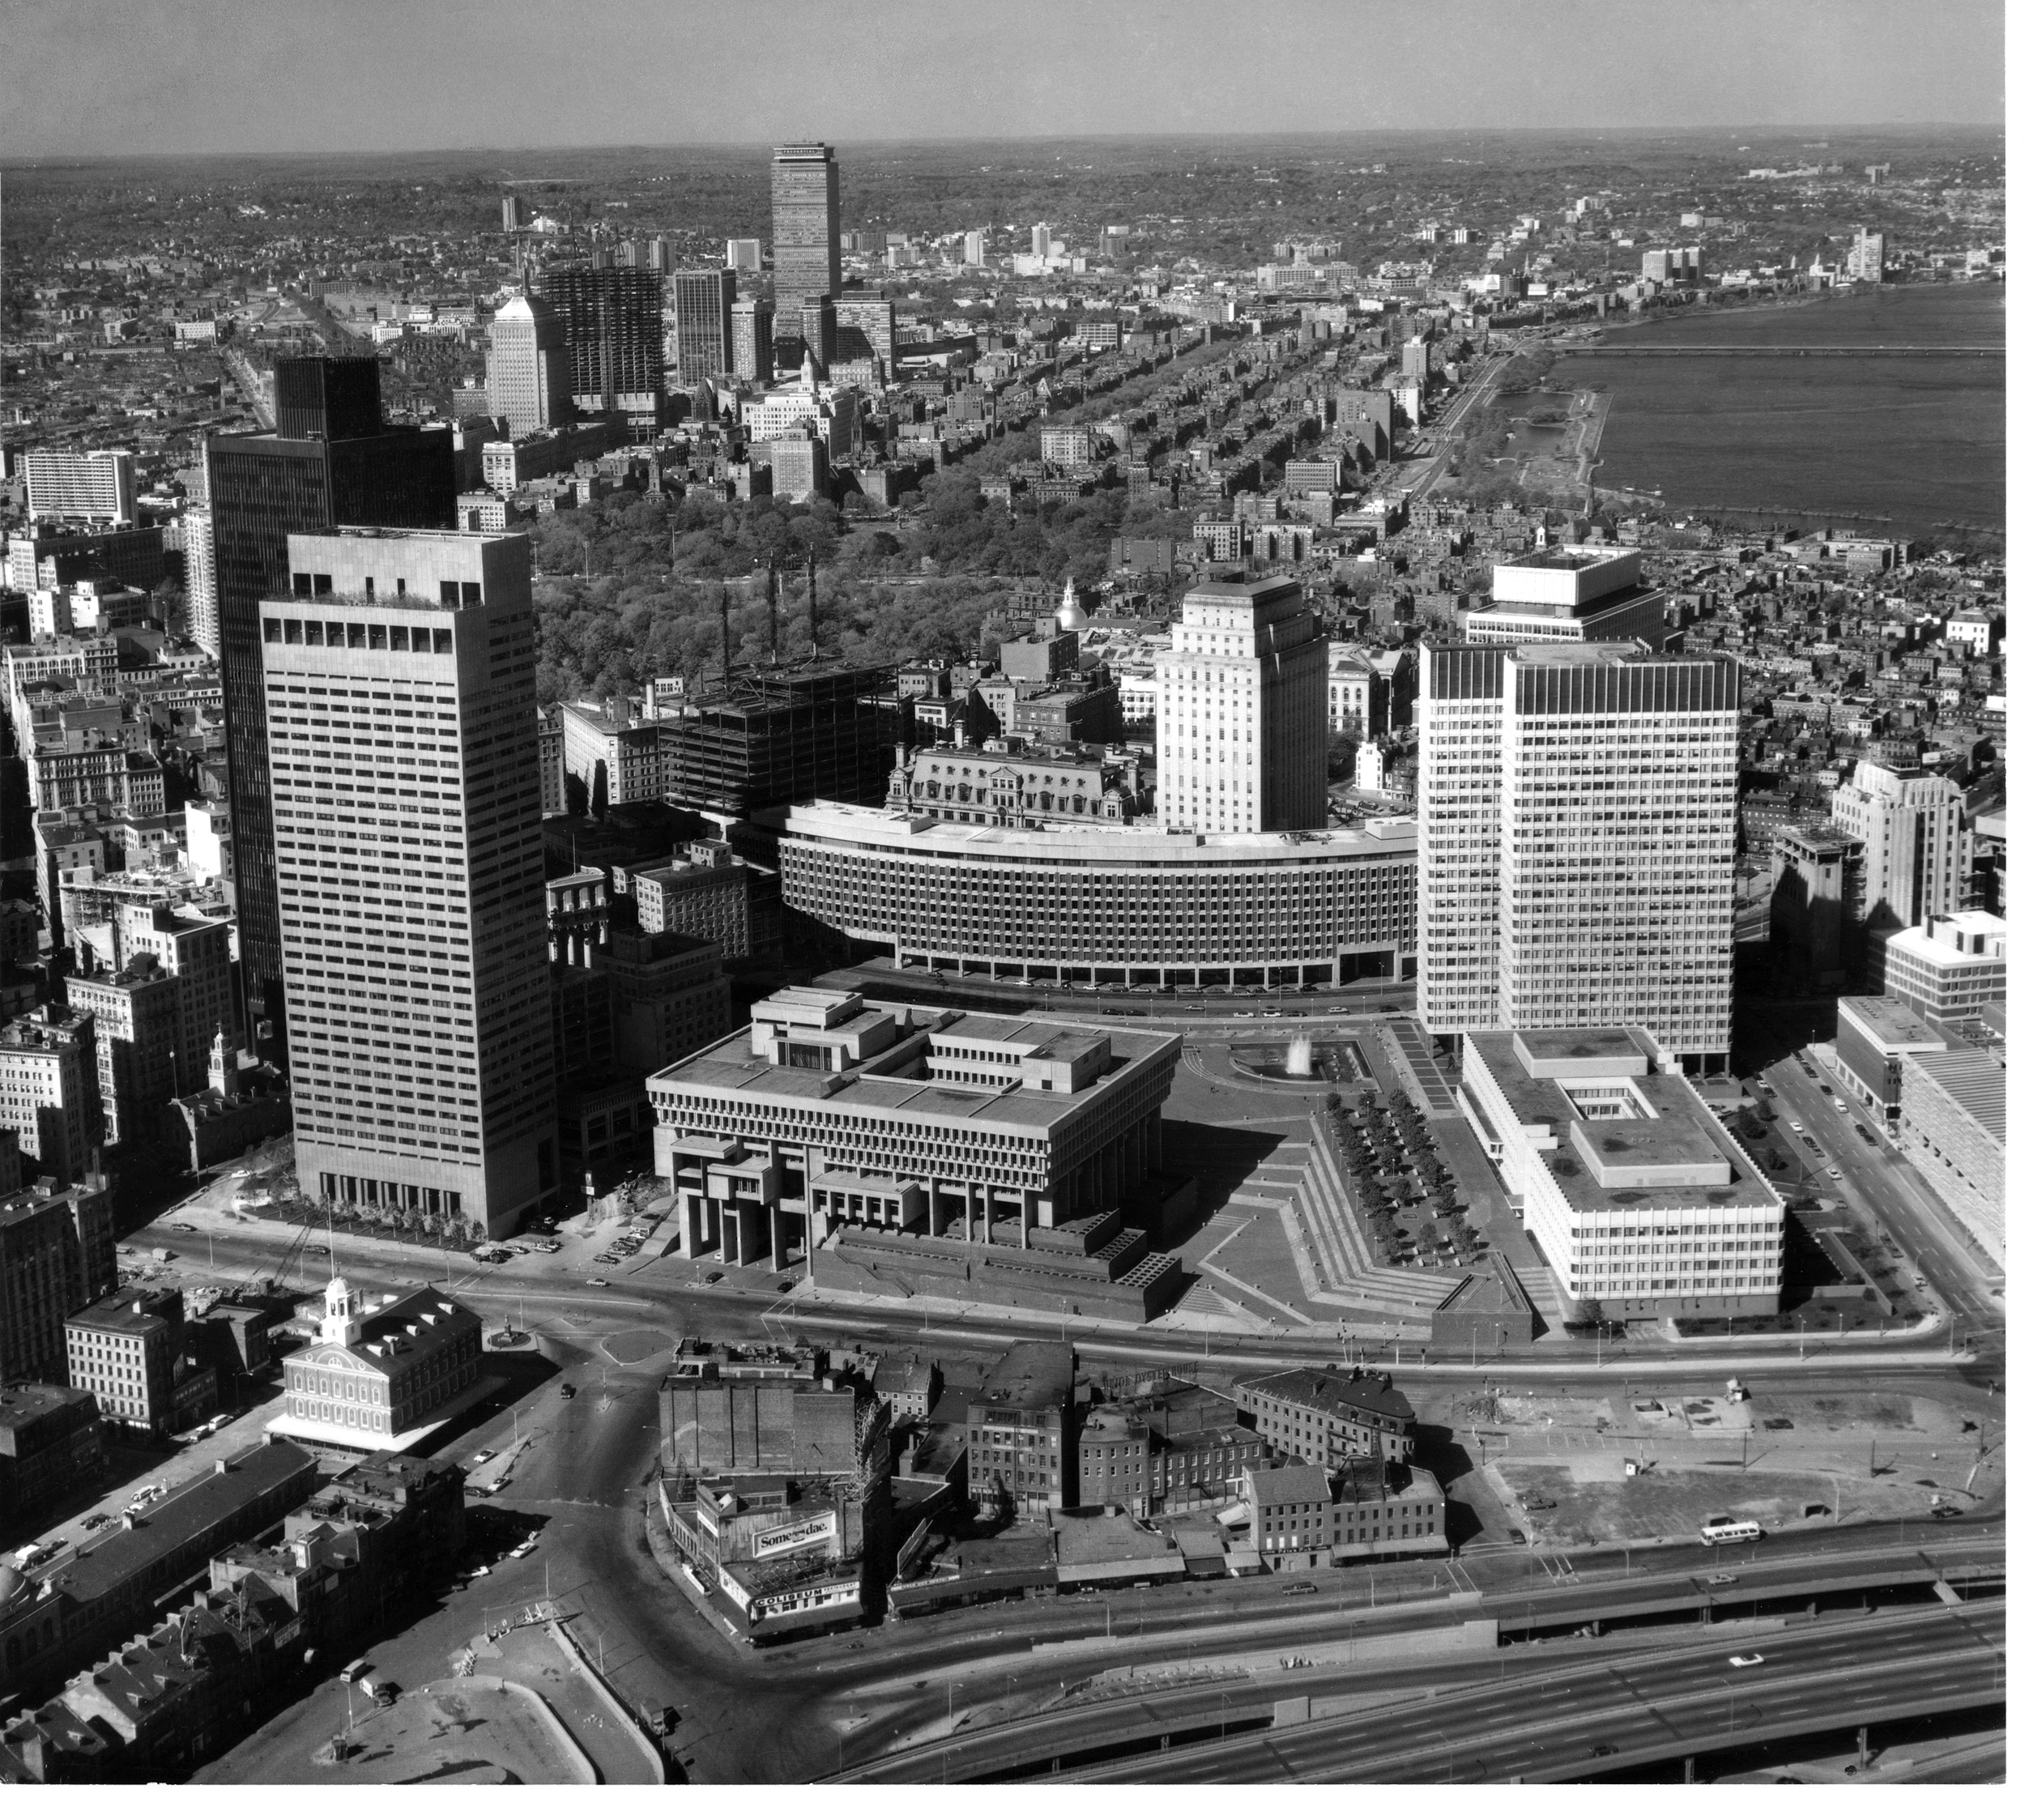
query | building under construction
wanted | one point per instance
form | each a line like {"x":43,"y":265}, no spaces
{"x":769,"y":735}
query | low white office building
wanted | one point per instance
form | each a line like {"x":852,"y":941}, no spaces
{"x":1638,"y":1199}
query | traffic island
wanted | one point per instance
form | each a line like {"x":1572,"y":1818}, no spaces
{"x":477,"y":1730}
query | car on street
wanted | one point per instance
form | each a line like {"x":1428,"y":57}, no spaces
{"x":1835,"y":1175}
{"x":568,"y":1392}
{"x":599,"y":1283}
{"x":1299,"y":1585}
{"x":522,"y":1550}
{"x":98,"y":1519}
{"x":181,"y":1225}
{"x":481,"y":1456}
{"x":1603,"y":1750}
{"x":1745,"y":1662}
{"x":715,"y":1276}
{"x":1943,"y":1511}
{"x":550,"y":1246}
{"x":1719,"y":1580}
{"x":1796,"y":1125}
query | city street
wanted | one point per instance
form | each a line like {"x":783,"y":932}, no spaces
{"x":1888,"y":1195}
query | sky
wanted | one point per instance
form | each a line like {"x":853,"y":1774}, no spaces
{"x":125,"y":77}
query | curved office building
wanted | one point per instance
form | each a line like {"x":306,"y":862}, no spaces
{"x":1132,"y":905}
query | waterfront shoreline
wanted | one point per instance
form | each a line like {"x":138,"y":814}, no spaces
{"x":1764,"y":306}
{"x":1909,"y":448}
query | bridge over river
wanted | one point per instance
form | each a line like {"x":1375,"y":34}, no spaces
{"x":1625,"y":350}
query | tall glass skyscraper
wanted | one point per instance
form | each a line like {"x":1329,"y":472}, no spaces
{"x":807,"y":248}
{"x":699,"y":322}
{"x":330,"y":460}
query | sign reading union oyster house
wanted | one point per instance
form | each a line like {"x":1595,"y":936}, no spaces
{"x":796,"y":1535}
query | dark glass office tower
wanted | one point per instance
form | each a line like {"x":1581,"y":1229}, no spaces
{"x":611,"y":322}
{"x":329,"y":461}
{"x":807,"y":248}
{"x":700,"y":305}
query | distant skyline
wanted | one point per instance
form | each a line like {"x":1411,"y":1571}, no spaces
{"x":115,"y":77}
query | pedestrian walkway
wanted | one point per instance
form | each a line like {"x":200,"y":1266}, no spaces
{"x":1416,"y":1060}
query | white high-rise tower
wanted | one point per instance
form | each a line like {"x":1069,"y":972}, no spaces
{"x":1916,"y":851}
{"x":527,"y":367}
{"x":1242,"y":733}
{"x":1578,"y":832}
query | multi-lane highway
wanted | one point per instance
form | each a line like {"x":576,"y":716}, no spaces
{"x":1614,"y":1715}
{"x":1677,"y":1587}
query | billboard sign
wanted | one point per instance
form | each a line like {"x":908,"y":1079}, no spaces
{"x":794,"y":1535}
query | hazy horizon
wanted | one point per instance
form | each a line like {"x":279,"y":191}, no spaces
{"x":124,"y":78}
{"x":1846,"y":129}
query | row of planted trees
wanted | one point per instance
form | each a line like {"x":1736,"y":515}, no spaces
{"x":1395,"y":1170}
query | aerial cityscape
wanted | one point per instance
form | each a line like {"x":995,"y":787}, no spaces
{"x":921,"y":938}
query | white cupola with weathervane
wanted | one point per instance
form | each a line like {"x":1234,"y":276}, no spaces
{"x":343,"y":1312}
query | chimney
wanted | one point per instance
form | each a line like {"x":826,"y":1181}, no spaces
{"x":219,"y":1469}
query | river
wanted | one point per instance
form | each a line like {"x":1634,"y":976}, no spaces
{"x":1901,"y":447}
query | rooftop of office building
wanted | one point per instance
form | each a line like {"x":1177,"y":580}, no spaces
{"x":1892,"y":1024}
{"x":1033,"y":1376}
{"x":189,"y":1511}
{"x":845,"y":1054}
{"x":1958,"y":937}
{"x":1269,"y":588}
{"x":1563,"y":557}
{"x":1357,"y":1394}
{"x":1973,"y":1079}
{"x":1132,"y":843}
{"x":1616,"y":1131}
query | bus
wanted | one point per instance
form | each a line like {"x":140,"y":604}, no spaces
{"x":1727,"y":1531}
